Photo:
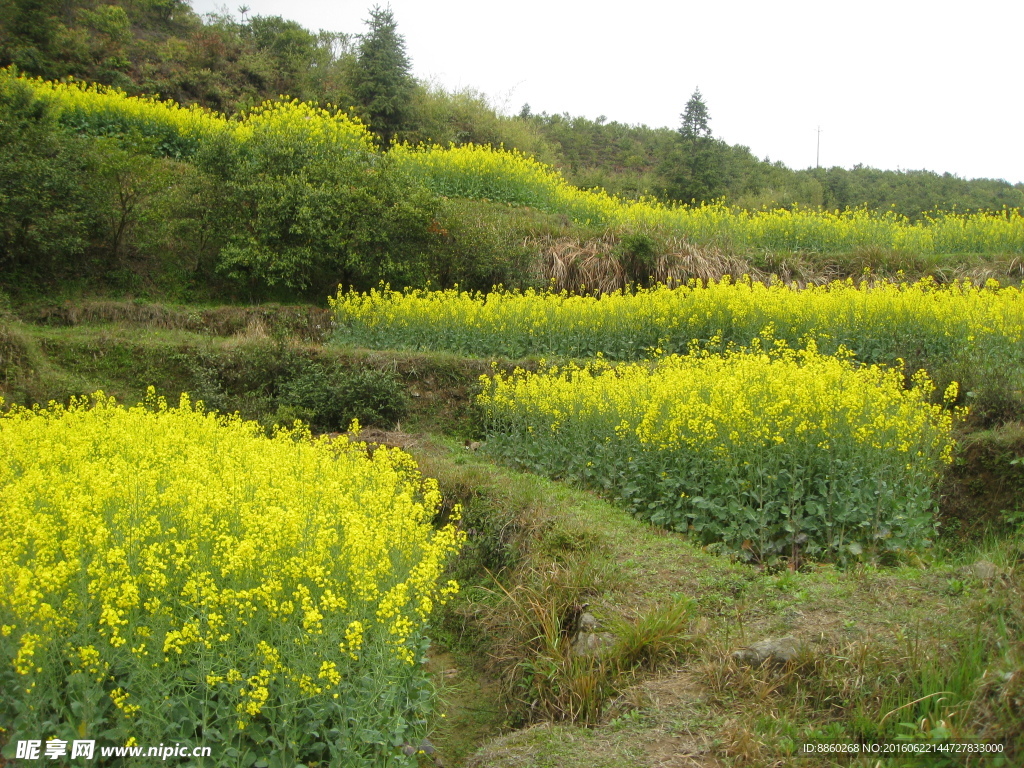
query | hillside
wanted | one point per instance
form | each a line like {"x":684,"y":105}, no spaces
{"x":111,"y":192}
{"x":149,"y":47}
{"x":509,"y":442}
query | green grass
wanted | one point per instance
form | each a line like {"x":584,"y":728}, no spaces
{"x":236,"y":372}
{"x":878,"y":638}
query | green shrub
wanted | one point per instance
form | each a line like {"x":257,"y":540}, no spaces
{"x":107,"y":211}
{"x":334,"y":397}
{"x":46,"y":210}
{"x":636,"y":252}
{"x":246,"y":378}
{"x":480,"y":245}
{"x":308,"y":211}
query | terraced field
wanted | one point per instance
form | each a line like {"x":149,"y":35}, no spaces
{"x":581,"y":634}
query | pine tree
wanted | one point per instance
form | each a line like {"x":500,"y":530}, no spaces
{"x":695,"y":118}
{"x":695,"y":171}
{"x":382,"y":83}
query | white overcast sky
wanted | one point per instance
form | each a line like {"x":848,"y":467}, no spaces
{"x":895,"y":84}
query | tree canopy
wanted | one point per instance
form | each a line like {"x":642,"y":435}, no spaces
{"x":695,"y":118}
{"x":383,"y":85}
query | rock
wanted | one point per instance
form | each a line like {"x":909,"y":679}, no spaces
{"x":587,"y":641}
{"x":592,"y":643}
{"x":775,"y":652}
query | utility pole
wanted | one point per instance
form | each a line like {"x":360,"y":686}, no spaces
{"x":817,"y":154}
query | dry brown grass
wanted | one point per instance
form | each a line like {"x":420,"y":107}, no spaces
{"x":1009,"y":269}
{"x":596,"y":266}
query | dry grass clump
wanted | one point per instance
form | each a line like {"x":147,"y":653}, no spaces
{"x":535,"y":626}
{"x":1009,"y":269}
{"x":608,"y":263}
{"x":605,"y":264}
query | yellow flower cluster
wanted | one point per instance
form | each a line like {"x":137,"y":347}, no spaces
{"x":727,"y":403}
{"x":181,"y":130}
{"x":507,"y":176}
{"x":872,"y":320}
{"x":103,"y":107}
{"x":298,"y":124}
{"x":484,"y":172}
{"x":736,"y":446}
{"x":120,"y":698}
{"x":157,"y":538}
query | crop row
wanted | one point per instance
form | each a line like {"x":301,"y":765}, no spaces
{"x":484,"y":172}
{"x":874,"y":321}
{"x":180,"y":132}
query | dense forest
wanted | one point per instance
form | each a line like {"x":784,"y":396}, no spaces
{"x":231,"y":64}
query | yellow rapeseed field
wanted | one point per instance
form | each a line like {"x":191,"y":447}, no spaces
{"x":171,"y":574}
{"x":180,"y":131}
{"x":875,"y":321}
{"x":508,"y":176}
{"x":767,"y":451}
{"x":484,"y":172}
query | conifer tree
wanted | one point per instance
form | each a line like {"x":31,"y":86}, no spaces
{"x":382,"y":83}
{"x":695,"y":118}
{"x":695,"y":170}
